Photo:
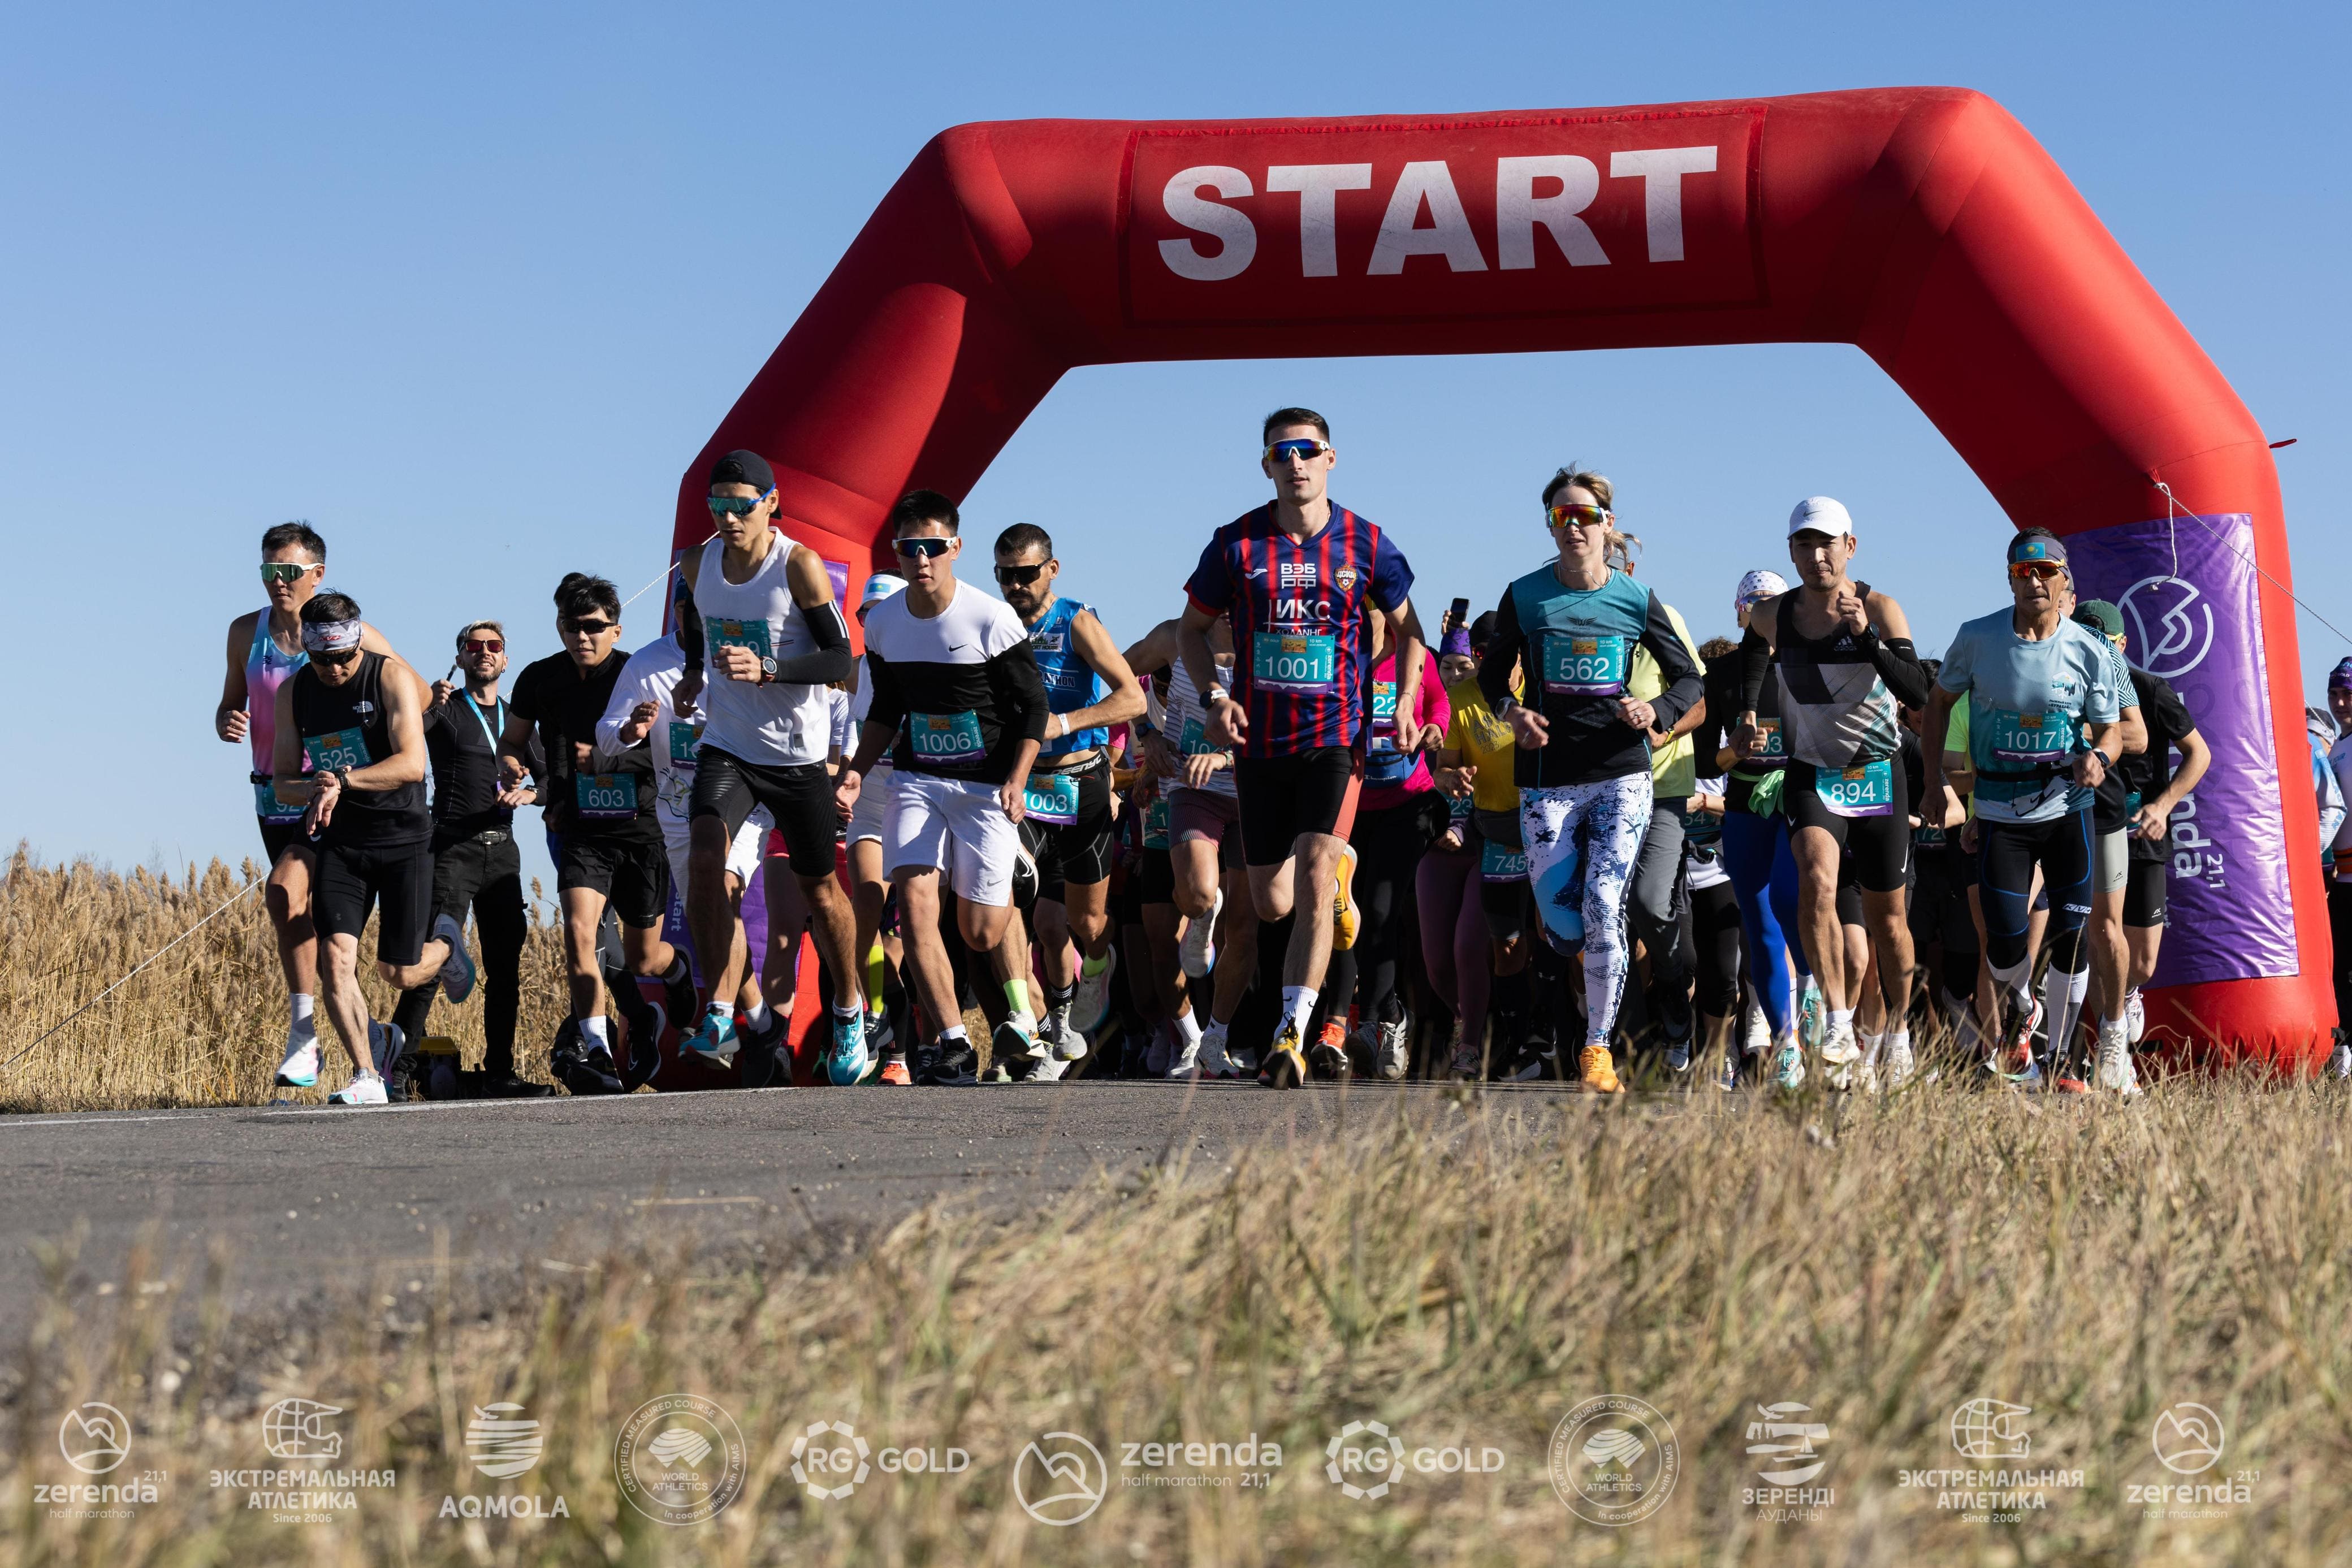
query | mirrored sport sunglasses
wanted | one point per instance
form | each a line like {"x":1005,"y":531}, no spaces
{"x":931,"y":544}
{"x":1305,"y":448}
{"x":2021,"y":569}
{"x":282,"y":570}
{"x":588,"y":628}
{"x":738,"y":505}
{"x":1561,"y":516}
{"x":1019,"y":576}
{"x":485,"y":645}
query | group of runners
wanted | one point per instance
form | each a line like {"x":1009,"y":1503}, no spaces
{"x":1567,"y":826}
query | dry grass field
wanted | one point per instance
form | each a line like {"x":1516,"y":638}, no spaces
{"x":1464,"y":1270}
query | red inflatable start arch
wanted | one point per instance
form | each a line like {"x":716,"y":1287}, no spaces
{"x":1921,"y":225}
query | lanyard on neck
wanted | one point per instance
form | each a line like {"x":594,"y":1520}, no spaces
{"x":487,"y":732}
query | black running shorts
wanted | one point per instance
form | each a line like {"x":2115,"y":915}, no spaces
{"x":799,"y":797}
{"x":1079,"y":851}
{"x":2144,"y":893}
{"x":1282,"y":797}
{"x":633,"y":875}
{"x":1876,"y":847}
{"x":352,"y":879}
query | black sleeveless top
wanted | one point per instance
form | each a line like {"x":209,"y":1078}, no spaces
{"x":349,"y":726}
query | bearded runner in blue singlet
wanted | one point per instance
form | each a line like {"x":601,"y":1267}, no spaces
{"x":1298,"y":578}
{"x":1584,"y":747}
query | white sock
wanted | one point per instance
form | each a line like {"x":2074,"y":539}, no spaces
{"x":1869,"y":1044}
{"x":1298,"y":1005}
{"x":2062,"y":1005}
{"x":954,"y":1031}
{"x":1188,"y":1027}
{"x":756,"y":1014}
{"x":592,"y":1032}
{"x":1899,"y":1043}
{"x":2013,"y":980}
{"x":1841,"y":1016}
{"x":305,"y":1014}
{"x":852,"y":1011}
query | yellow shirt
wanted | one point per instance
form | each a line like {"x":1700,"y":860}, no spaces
{"x":1486,"y":743}
{"x":1674,"y":769}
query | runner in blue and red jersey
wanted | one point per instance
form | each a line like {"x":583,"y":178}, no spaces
{"x":1298,"y":579}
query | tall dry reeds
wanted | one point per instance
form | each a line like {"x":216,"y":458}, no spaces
{"x":205,"y":1023}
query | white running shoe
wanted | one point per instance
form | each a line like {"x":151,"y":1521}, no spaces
{"x":2115,"y":1059}
{"x":1839,"y":1054}
{"x":2339,"y":1061}
{"x":1788,"y":1064}
{"x":2134,"y":1018}
{"x":1900,"y":1063}
{"x":1758,"y":1034}
{"x":1389,"y":1052}
{"x":365,"y":1089}
{"x":1200,"y":948}
{"x":1158,"y":1053}
{"x":1048,"y":1071}
{"x":458,"y":969}
{"x":1215,"y":1062}
{"x":1188,"y":1058}
{"x":1092,"y":1003}
{"x":1066,"y":1042}
{"x":300,"y":1068}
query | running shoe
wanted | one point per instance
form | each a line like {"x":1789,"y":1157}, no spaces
{"x":2114,"y":1073}
{"x":1758,"y":1034}
{"x":1812,"y":1016}
{"x":1788,"y":1064}
{"x":944,"y":1064}
{"x":1284,"y":1067}
{"x":1187,"y":1063}
{"x":847,"y":1061}
{"x":679,"y":995}
{"x":2135,"y":1018}
{"x":365,"y":1089}
{"x":1009,"y":1040}
{"x":512,"y":1087}
{"x":894,"y":1071}
{"x":592,"y":1072}
{"x":458,"y":969}
{"x":1158,"y":1052}
{"x":1538,"y":1066}
{"x":1046,"y":1070}
{"x":1598,"y":1072}
{"x":1727,"y":1078}
{"x":1329,"y":1055}
{"x":1900,"y":1063}
{"x":388,"y":1045}
{"x":1839,"y":1053}
{"x":1678,"y":1056}
{"x":1389,"y":1049}
{"x":1199,"y":950}
{"x":1093,"y":1000}
{"x":1464,"y":1064}
{"x":644,"y":1047}
{"x":300,"y":1068}
{"x":879,"y":1036}
{"x":714,"y":1039}
{"x":2014,"y":1059}
{"x":1343,"y":900}
{"x":2066,"y":1082}
{"x":1216,"y":1060}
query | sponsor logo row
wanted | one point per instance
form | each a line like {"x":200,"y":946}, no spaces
{"x":680,"y":1460}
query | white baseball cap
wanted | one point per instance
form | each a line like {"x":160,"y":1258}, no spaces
{"x":1820,"y":514}
{"x":877,"y":589}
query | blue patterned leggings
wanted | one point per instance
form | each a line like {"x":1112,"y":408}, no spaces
{"x":1583,"y":841}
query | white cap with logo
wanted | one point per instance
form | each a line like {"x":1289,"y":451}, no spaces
{"x":1820,"y":514}
{"x":878,"y":588}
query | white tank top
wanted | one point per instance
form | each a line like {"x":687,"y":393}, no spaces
{"x":1185,"y":726}
{"x":778,"y":725}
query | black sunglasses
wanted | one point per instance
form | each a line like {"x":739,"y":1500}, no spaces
{"x":1022,"y":575}
{"x":588,"y":628}
{"x":337,"y":660}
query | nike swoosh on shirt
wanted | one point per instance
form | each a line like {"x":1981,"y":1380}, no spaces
{"x":958,"y":647}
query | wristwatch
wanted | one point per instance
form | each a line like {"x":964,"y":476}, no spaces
{"x":342,"y":778}
{"x":767,"y":670}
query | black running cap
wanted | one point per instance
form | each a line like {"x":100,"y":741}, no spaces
{"x":740,"y":467}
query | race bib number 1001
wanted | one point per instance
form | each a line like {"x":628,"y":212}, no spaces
{"x":1303,"y":662}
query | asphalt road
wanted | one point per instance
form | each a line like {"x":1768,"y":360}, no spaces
{"x":305,"y":1201}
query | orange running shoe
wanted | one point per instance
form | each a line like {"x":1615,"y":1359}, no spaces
{"x":1329,"y":1054}
{"x":894,"y":1071}
{"x":1343,"y":900}
{"x":1599,"y":1071}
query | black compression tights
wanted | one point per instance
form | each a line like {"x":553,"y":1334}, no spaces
{"x":1388,"y":844}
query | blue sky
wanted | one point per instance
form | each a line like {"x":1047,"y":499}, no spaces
{"x":468,"y":286}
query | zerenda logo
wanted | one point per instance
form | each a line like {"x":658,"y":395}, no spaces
{"x":1248,"y":1464}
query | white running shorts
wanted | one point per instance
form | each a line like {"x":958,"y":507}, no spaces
{"x":743,"y":855}
{"x":871,"y":815}
{"x":956,"y":826}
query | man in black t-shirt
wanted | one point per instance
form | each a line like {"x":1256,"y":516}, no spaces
{"x":476,"y":864}
{"x":610,"y":849}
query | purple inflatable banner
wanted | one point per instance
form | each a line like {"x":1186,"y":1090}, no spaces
{"x":2191,"y":607}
